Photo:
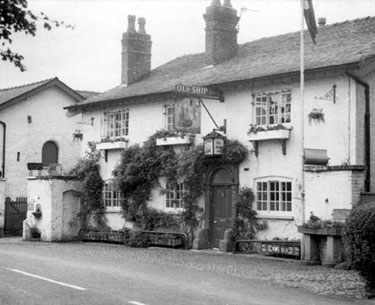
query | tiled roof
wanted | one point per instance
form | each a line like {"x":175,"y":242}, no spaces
{"x":15,"y":94}
{"x":10,"y":93}
{"x":337,"y":44}
{"x":87,"y":94}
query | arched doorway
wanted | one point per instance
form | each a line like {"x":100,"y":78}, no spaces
{"x":50,"y":153}
{"x":223,"y":191}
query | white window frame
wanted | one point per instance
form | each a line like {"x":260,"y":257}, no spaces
{"x":272,"y":108}
{"x":116,"y":124}
{"x":174,"y":196}
{"x":273,"y":196}
{"x":170,"y":117}
{"x":112,"y":197}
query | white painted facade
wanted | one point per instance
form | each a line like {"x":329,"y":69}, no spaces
{"x":31,"y":122}
{"x":25,"y":139}
{"x":58,"y":201}
{"x":341,"y":135}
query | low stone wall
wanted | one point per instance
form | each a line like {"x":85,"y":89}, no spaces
{"x":53,"y":205}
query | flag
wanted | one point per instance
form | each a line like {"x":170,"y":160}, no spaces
{"x":308,"y":11}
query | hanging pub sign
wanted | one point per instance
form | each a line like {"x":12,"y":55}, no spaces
{"x":199,"y":92}
{"x":187,"y":116}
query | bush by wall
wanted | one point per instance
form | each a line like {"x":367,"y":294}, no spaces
{"x":359,"y":238}
{"x":359,"y":243}
{"x":244,"y":224}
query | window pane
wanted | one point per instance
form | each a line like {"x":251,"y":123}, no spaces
{"x":274,"y":196}
{"x":273,"y":108}
{"x":111,"y":196}
{"x":117,"y":123}
{"x":170,"y":119}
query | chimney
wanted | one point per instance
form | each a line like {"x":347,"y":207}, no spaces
{"x":136,"y":52}
{"x":221,"y":32}
{"x":322,"y":21}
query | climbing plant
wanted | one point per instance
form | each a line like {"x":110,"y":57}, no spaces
{"x":234,"y":151}
{"x":87,"y":170}
{"x":244,"y":224}
{"x":140,"y":169}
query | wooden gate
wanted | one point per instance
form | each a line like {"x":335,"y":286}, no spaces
{"x":15,"y":214}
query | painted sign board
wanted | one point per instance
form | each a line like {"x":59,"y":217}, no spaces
{"x":188,"y":115}
{"x":199,"y":91}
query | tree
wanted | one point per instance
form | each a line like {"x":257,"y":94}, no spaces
{"x":16,"y":17}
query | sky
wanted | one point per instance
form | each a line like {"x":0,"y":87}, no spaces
{"x":89,"y":57}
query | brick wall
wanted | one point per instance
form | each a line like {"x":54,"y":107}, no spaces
{"x":332,"y":189}
{"x":136,"y":52}
{"x":221,"y":33}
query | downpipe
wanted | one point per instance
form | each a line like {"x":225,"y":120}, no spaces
{"x":366,"y":127}
{"x":4,"y":141}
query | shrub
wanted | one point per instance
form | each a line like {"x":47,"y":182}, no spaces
{"x":137,"y":239}
{"x":359,"y":238}
{"x":34,"y":232}
{"x":244,"y":224}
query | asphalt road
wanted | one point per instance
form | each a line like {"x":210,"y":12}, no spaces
{"x":42,"y":273}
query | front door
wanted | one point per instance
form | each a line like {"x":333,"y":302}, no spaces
{"x":222,"y":212}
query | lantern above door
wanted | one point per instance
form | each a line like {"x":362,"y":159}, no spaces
{"x":213,"y":144}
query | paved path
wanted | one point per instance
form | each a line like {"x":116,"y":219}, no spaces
{"x":88,"y":273}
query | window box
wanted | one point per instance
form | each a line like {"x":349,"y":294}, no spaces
{"x":270,"y":135}
{"x":184,"y":140}
{"x":271,"y":132}
{"x":111,"y":145}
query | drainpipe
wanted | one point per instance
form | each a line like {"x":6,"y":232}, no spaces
{"x":4,"y":134}
{"x":367,"y":127}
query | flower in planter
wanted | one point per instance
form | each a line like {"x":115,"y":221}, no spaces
{"x":108,"y":139}
{"x":316,"y":115}
{"x":255,"y":128}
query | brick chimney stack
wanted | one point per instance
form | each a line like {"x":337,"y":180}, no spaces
{"x":221,"y":32}
{"x":136,"y":52}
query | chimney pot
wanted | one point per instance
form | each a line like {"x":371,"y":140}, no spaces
{"x":322,"y":21}
{"x":227,"y":3}
{"x":221,"y":32}
{"x":136,"y":52}
{"x":216,"y":3}
{"x":131,"y":23}
{"x":141,"y":24}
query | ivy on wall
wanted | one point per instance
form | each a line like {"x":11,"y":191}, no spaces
{"x":139,"y":171}
{"x":91,"y":188}
{"x":141,"y":167}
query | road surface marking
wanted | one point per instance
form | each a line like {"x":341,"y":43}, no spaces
{"x":45,"y":279}
{"x":135,"y":303}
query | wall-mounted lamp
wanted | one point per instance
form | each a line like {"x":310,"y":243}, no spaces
{"x":213,"y":144}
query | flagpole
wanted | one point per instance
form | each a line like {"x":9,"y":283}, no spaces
{"x":302,"y":83}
